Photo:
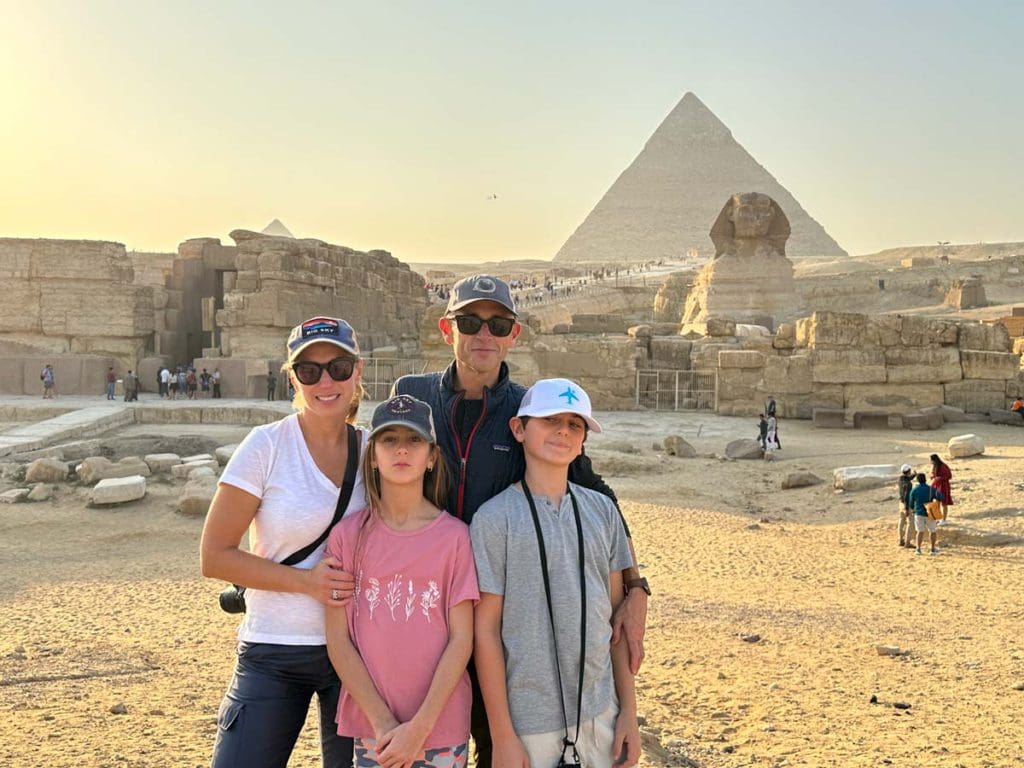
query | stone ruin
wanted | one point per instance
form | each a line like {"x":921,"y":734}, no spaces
{"x":966,"y":293}
{"x":750,"y":280}
{"x":84,"y":306}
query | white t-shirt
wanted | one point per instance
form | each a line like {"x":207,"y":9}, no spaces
{"x":297,"y":504}
{"x":165,"y":376}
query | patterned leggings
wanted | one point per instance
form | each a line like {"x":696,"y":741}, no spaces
{"x":442,"y":757}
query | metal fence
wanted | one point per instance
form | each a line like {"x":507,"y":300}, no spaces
{"x":379,"y":373}
{"x":672,"y":389}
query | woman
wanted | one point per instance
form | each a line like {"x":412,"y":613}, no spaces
{"x":941,"y":475}
{"x":282,"y":484}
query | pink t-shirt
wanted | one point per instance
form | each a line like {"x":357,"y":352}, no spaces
{"x":405,"y":583}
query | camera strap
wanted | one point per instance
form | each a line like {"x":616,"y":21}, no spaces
{"x":567,"y":743}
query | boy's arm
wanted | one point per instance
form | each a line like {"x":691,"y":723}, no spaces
{"x":405,"y":742}
{"x":626,"y":746}
{"x":489,"y":657}
{"x":353,"y":673}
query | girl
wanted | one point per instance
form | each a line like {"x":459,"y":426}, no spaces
{"x":402,"y":644}
{"x":282,"y":484}
{"x":941,"y":475}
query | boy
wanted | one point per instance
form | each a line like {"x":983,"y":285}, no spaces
{"x":529,"y":641}
{"x":921,"y":495}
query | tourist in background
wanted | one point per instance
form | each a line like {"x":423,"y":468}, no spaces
{"x":204,"y":383}
{"x":215,"y":380}
{"x":165,"y":382}
{"x":906,"y":522}
{"x":49,"y":382}
{"x":111,"y":382}
{"x":941,"y":477}
{"x":762,"y":432}
{"x":191,"y":382}
{"x":282,"y":485}
{"x":772,"y":438}
{"x":922,"y":494}
{"x":271,"y":385}
{"x":131,"y":386}
{"x":1018,"y":407}
{"x":770,"y":406}
{"x":406,"y":694}
{"x":182,"y":382}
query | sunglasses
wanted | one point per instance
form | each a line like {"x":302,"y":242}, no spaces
{"x":339,"y":369}
{"x":471,"y":324}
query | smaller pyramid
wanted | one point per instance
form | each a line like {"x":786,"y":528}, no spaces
{"x":277,"y":229}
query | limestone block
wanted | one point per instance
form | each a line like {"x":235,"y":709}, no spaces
{"x":161,"y":462}
{"x":864,"y":477}
{"x":829,"y":418}
{"x":1015,"y":386}
{"x":1008,"y":418}
{"x":886,"y":330}
{"x":13,"y":377}
{"x":788,"y":375}
{"x":719,"y":326}
{"x":40,"y":492}
{"x":985,"y":337}
{"x":831,"y":330}
{"x":15,"y":495}
{"x":843,"y":366}
{"x":181,"y":471}
{"x":925,"y":332}
{"x":671,"y":351}
{"x":677,"y":446}
{"x":934,"y":416}
{"x":925,"y":365}
{"x":917,"y":421}
{"x":976,"y":395}
{"x":989,"y":365}
{"x":19,"y":311}
{"x":46,"y":471}
{"x":118,"y":490}
{"x":201,"y":472}
{"x":152,"y":414}
{"x":965,"y":445}
{"x":740,"y":359}
{"x":196,"y":497}
{"x":870,"y":420}
{"x":891,"y":398}
{"x":952,"y":414}
{"x":100,"y":468}
{"x":196,"y":457}
{"x":739,"y":384}
{"x":801,"y":406}
{"x":744,"y":448}
{"x":704,"y":353}
{"x":785,"y":336}
{"x":224,"y":453}
{"x":800,"y":480}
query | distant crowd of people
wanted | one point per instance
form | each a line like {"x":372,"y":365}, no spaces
{"x":926,"y":505}
{"x":184,"y":382}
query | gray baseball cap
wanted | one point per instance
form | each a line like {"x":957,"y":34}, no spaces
{"x":480,"y":288}
{"x":404,"y":411}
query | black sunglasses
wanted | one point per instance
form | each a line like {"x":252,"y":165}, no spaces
{"x":339,"y":369}
{"x":471,"y":324}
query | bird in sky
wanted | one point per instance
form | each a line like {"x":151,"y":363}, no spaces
{"x":492,"y":196}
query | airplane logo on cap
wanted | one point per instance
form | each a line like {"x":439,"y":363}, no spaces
{"x":569,"y":395}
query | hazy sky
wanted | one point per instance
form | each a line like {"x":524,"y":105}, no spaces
{"x":388,"y":124}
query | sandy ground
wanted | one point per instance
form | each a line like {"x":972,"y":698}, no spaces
{"x":106,"y":606}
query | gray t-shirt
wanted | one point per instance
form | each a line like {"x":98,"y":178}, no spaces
{"x":508,"y":564}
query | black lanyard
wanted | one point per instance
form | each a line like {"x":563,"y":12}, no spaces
{"x":566,"y":741}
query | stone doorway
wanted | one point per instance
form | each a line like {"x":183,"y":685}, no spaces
{"x":676,"y":389}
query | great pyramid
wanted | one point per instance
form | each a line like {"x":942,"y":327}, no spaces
{"x":665,"y":202}
{"x":277,"y":229}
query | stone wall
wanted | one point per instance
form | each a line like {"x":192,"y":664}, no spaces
{"x":282,"y":281}
{"x":886,"y":363}
{"x":73,"y":301}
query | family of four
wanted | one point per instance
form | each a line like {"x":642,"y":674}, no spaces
{"x":481,"y":579}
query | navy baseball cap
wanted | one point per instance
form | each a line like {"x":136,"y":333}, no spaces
{"x":480,"y":288}
{"x":404,"y":411}
{"x":331,"y":330}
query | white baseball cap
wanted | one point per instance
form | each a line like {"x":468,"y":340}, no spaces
{"x":550,"y":396}
{"x":906,"y":468}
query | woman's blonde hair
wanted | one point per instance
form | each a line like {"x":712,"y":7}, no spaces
{"x":299,"y":402}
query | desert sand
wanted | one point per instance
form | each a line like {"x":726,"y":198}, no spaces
{"x":105,"y":607}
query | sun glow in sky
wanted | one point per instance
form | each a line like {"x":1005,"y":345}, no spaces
{"x":390,"y":124}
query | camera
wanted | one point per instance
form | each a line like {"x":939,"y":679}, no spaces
{"x":232,"y":599}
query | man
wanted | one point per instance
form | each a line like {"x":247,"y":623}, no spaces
{"x":131,"y":387}
{"x":906,"y":524}
{"x":111,"y":382}
{"x":473,"y":401}
{"x":49,"y":382}
{"x":271,"y":385}
{"x":216,"y":383}
{"x":1018,"y":407}
{"x":769,"y":406}
{"x":204,"y":383}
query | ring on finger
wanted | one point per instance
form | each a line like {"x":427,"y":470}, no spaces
{"x":335,"y":594}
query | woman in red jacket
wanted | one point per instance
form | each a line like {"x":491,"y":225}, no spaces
{"x":941,"y":475}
